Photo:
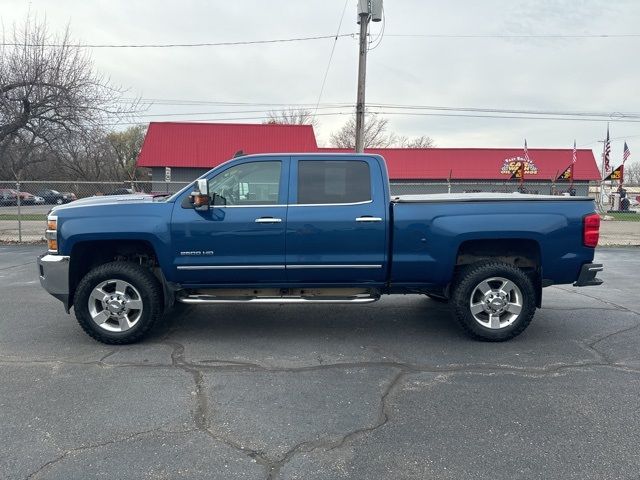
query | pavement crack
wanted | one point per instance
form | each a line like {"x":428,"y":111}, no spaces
{"x":618,"y":332}
{"x":201,"y":409}
{"x":196,"y":370}
{"x":16,"y":266}
{"x":607,"y":302}
{"x":256,"y":455}
{"x":332,"y":442}
{"x":112,"y":352}
{"x":92,"y":446}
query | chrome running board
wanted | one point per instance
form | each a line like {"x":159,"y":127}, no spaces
{"x":204,"y":299}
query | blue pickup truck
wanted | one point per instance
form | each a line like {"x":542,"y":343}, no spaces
{"x":313,"y":228}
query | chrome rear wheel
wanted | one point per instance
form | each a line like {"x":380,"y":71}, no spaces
{"x":496,"y":302}
{"x":493,"y":300}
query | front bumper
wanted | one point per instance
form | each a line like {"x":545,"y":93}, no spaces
{"x":54,"y":276}
{"x":588,"y":274}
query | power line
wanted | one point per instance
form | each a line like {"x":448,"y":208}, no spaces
{"x":333,"y":49}
{"x":378,"y":40}
{"x":518,"y":117}
{"x":319,"y":37}
{"x":425,"y":114}
{"x":175,"y":45}
{"x":182,"y":114}
{"x":178,"y":102}
{"x":612,"y":115}
{"x":515,"y":35}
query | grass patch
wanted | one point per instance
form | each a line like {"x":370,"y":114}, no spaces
{"x":24,"y":216}
{"x":625,"y":216}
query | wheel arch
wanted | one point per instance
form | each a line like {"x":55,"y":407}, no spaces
{"x":89,"y":254}
{"x":524,"y":253}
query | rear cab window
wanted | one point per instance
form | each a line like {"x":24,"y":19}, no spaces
{"x":325,"y":182}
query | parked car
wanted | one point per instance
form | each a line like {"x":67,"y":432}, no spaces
{"x":55,"y":197}
{"x":27,"y":198}
{"x":8,"y":197}
{"x":70,"y":196}
{"x":306,"y":228}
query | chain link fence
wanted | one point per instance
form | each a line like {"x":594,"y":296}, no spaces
{"x":24,"y":205}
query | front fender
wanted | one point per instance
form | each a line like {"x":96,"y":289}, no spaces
{"x":148,"y":222}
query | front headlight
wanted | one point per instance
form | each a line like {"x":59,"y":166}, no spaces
{"x":52,"y":234}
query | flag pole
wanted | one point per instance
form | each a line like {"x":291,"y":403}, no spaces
{"x":523,"y":166}
{"x":603,"y":173}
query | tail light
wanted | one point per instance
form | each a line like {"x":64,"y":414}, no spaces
{"x":591,"y":230}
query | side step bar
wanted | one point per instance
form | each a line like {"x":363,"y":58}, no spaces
{"x":204,"y":299}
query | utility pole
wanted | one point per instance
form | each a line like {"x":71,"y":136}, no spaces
{"x":367,"y":10}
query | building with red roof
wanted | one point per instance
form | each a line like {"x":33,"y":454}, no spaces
{"x":190,"y":149}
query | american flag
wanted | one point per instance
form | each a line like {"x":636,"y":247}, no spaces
{"x":607,"y":152}
{"x":626,"y":153}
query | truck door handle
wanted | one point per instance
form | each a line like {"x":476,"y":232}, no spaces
{"x":368,"y":218}
{"x":268,"y":220}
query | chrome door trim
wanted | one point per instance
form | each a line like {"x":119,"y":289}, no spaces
{"x":248,"y":206}
{"x":230,"y":267}
{"x":368,"y":219}
{"x":293,"y":267}
{"x":267,"y":267}
{"x":293,"y":205}
{"x":328,"y":204}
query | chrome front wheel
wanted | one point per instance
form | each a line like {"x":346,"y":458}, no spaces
{"x":118,"y":302}
{"x":115,"y":305}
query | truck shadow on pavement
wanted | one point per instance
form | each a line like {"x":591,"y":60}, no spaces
{"x":406,"y":330}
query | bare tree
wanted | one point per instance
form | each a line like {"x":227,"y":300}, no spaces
{"x":376,"y":135}
{"x":48,"y":90}
{"x":422,"y":141}
{"x":292,"y":116}
{"x":126,"y":146}
{"x":632,"y":173}
{"x":86,"y":157}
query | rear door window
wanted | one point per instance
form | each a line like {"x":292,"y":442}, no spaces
{"x":330,"y":182}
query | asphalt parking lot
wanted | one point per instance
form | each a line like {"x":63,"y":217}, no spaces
{"x":388,"y":390}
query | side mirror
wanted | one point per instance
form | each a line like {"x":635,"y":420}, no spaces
{"x":200,"y":196}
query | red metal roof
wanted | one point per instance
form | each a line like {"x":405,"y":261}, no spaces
{"x":205,"y":145}
{"x":481,"y":163}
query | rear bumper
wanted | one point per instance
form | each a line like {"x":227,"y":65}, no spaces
{"x":588,"y":274}
{"x":54,"y":276}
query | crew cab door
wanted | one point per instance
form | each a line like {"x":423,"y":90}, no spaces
{"x":241,"y":238}
{"x":337,"y":221}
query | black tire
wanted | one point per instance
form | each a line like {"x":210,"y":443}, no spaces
{"x":437,"y":298}
{"x":471,"y":277}
{"x":142,"y":279}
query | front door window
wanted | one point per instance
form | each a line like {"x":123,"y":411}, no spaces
{"x":253,"y":183}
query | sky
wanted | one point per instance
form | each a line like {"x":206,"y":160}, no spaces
{"x":586,"y":74}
